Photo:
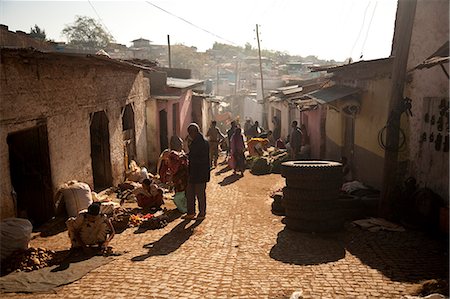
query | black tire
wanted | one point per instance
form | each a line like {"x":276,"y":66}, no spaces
{"x":311,"y":168}
{"x":309,"y":205}
{"x":302,"y":225}
{"x":302,"y":194}
{"x":278,"y":209}
{"x":315,"y":215}
{"x":309,"y":184}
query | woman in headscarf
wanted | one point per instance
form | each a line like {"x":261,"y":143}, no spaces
{"x":237,"y":152}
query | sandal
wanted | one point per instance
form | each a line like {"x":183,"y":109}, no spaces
{"x":188,"y":217}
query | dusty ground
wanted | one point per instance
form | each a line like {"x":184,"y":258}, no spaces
{"x":242,"y":250}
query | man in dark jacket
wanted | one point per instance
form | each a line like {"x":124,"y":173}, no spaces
{"x":199,"y":173}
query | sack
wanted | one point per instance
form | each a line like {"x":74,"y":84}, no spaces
{"x":15,"y":233}
{"x":76,"y":195}
{"x":108,"y":207}
{"x":180,"y":201}
{"x":134,"y":172}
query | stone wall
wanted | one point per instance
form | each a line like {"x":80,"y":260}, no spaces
{"x":63,"y":91}
{"x":426,"y":89}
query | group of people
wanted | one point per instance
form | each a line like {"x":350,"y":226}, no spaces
{"x":187,"y":173}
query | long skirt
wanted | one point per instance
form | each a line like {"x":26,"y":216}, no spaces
{"x":239,"y":158}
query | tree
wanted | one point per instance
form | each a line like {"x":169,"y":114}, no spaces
{"x":85,"y":32}
{"x":38,"y":33}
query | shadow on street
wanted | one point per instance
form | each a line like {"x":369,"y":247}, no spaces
{"x":53,"y":227}
{"x":306,"y":249}
{"x":170,"y":241}
{"x":223,"y":170}
{"x":409,"y":256}
{"x":228,"y":180}
{"x":168,"y":217}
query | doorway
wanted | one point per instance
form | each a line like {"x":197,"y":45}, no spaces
{"x":163,"y":139}
{"x":100,"y":151}
{"x":31,"y":174}
{"x":129,"y":134}
{"x":349,"y":138}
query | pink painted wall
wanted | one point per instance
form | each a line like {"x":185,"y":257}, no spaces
{"x":314,"y":130}
{"x":184,"y":118}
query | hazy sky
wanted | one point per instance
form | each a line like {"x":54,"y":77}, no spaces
{"x":330,"y":29}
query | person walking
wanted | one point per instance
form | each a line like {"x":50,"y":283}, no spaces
{"x":295,"y":140}
{"x":199,"y":173}
{"x":215,"y":137}
{"x":237,"y":152}
{"x":255,"y":130}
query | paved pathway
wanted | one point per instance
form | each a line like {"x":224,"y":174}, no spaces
{"x":241,"y":250}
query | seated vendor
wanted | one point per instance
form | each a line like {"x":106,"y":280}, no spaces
{"x":90,"y":228}
{"x":257,"y":146}
{"x":149,"y":195}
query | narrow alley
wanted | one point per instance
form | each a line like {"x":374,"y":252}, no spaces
{"x":242,"y":250}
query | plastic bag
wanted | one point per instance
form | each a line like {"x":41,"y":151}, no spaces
{"x":180,"y":201}
{"x":15,"y":233}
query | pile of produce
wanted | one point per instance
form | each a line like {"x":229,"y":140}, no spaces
{"x":261,"y":165}
{"x":277,"y":160}
{"x":30,"y":259}
{"x":149,"y":221}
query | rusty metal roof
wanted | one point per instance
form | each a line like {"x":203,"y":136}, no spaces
{"x":439,"y":57}
{"x":333,"y":93}
{"x":183,"y":83}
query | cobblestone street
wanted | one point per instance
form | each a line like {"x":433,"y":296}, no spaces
{"x":241,"y":250}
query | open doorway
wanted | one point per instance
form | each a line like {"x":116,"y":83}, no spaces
{"x":31,"y":174}
{"x":163,"y":139}
{"x":100,"y":151}
{"x":129,"y":134}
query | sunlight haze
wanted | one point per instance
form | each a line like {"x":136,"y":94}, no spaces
{"x":329,"y":29}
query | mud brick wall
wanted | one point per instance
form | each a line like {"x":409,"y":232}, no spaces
{"x":63,"y":91}
{"x":427,"y":88}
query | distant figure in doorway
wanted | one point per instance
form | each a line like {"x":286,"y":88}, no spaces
{"x":305,"y":150}
{"x":90,"y":228}
{"x":254,"y":130}
{"x":276,"y":128}
{"x":295,"y":140}
{"x":237,"y":152}
{"x":215,"y":137}
{"x":248,"y":124}
{"x":199,"y":173}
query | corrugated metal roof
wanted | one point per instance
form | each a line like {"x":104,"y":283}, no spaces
{"x":183,"y":83}
{"x":287,"y":87}
{"x":439,"y":57}
{"x":333,"y":93}
{"x":292,"y":90}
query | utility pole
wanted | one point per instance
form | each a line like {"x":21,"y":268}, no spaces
{"x":168,"y":48}
{"x":265,"y":123}
{"x":406,"y":11}
{"x":236,"y":74}
{"x":217,"y":81}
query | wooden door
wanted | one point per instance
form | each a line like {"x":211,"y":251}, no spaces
{"x":31,"y":174}
{"x":100,"y":151}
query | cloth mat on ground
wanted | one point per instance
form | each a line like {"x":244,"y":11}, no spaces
{"x":47,"y":279}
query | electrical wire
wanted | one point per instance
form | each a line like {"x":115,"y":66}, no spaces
{"x":101,"y":20}
{"x":362,"y":26}
{"x":190,"y":23}
{"x":368,"y":29}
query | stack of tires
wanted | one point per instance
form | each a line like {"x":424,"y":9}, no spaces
{"x":310,"y":196}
